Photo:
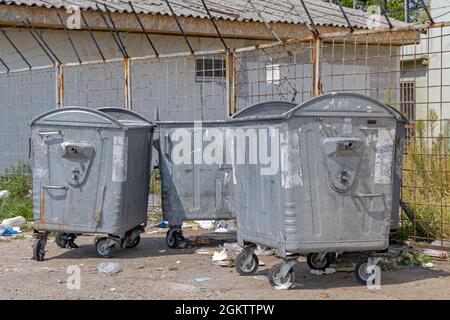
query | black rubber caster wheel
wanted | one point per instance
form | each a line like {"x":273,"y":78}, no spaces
{"x":39,"y":250}
{"x":361,"y":273}
{"x":102,"y":249}
{"x":60,"y":240}
{"x":315,"y":263}
{"x":133,"y":243}
{"x":246,"y":268}
{"x":173,"y":238}
{"x":278,"y":282}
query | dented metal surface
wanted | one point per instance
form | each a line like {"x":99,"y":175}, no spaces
{"x":196,"y":189}
{"x":338,"y":186}
{"x":91,"y":170}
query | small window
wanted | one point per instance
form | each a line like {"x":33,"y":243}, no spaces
{"x":209,"y":69}
{"x":408,"y":105}
{"x":272,"y":74}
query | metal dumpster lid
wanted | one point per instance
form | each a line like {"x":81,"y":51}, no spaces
{"x":332,"y":96}
{"x":87,"y":117}
{"x":269,"y":108}
{"x":343,"y":95}
{"x":127,"y":117}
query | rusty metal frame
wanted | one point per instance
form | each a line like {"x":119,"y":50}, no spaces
{"x":59,"y":85}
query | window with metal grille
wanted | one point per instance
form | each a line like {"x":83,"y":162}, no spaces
{"x":408,"y":105}
{"x":209,"y":69}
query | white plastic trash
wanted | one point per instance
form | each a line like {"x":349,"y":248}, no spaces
{"x":18,"y":221}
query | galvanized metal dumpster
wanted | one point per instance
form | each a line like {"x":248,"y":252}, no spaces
{"x":336,"y":189}
{"x":91,"y":172}
{"x":194,"y":188}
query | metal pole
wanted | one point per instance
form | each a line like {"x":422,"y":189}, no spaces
{"x":385,"y":13}
{"x":115,"y":30}
{"x":69,"y":37}
{"x":43,"y":41}
{"x":100,"y":12}
{"x":15,"y":48}
{"x":316,"y":67}
{"x":92,"y":36}
{"x":40,"y":44}
{"x":143,"y":28}
{"x":345,"y":16}
{"x":4,"y":65}
{"x":427,"y":11}
{"x":179,"y":26}
{"x":127,"y":78}
{"x":313,"y":25}
{"x":214,"y":24}
{"x":406,"y":6}
{"x":60,"y":85}
{"x":266,"y":23}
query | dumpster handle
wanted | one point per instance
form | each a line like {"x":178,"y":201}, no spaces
{"x":368,"y":195}
{"x":49,"y":133}
{"x":55,"y":188}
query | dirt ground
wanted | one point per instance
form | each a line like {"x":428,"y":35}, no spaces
{"x":151,"y":273}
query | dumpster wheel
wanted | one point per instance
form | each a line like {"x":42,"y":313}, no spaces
{"x":244,"y":267}
{"x":314,"y":263}
{"x":279,"y":283}
{"x":65,"y":240}
{"x":132,"y":243}
{"x":39,"y":250}
{"x":173,"y":238}
{"x":103,"y":248}
{"x":361,"y":273}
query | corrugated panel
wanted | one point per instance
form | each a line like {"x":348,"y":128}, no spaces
{"x":274,"y":11}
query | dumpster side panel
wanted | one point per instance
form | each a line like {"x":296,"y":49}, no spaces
{"x":193,"y":189}
{"x":137,"y":182}
{"x":332,"y":217}
{"x":259,"y":197}
{"x":66,"y":183}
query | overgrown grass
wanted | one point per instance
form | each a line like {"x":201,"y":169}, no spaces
{"x":17,"y":180}
{"x":155,"y":182}
{"x":426,"y":181}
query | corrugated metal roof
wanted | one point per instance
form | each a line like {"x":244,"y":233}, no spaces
{"x":272,"y":11}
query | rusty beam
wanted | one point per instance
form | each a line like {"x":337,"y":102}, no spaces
{"x":316,"y":67}
{"x":127,"y":83}
{"x":59,"y":85}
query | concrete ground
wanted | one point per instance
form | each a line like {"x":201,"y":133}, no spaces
{"x":152,"y":271}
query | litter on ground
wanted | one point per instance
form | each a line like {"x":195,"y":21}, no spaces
{"x":320,"y":272}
